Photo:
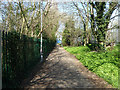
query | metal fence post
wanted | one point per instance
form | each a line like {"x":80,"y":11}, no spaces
{"x":0,"y":60}
{"x":24,"y":50}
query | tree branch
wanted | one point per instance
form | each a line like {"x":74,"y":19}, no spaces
{"x":23,"y":15}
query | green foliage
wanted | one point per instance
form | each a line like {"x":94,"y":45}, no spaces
{"x":110,"y":75}
{"x":76,"y":50}
{"x":20,"y":54}
{"x":66,"y":38}
{"x":104,"y":64}
{"x":95,"y":46}
{"x":102,"y":19}
{"x":69,"y":33}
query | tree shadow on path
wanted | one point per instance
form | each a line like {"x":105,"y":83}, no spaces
{"x":60,"y":71}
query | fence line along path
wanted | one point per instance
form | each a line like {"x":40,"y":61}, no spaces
{"x":19,"y":54}
{"x":63,"y":70}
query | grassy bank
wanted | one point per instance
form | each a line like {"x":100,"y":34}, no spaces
{"x":104,"y":64}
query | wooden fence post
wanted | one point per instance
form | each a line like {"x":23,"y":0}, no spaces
{"x":0,"y":60}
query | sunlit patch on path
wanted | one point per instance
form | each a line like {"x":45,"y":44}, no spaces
{"x":63,"y":70}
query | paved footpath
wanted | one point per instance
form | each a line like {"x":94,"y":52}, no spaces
{"x":63,"y":70}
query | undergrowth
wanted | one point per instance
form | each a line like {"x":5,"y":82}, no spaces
{"x":105,"y":64}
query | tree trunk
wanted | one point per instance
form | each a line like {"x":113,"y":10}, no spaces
{"x":84,"y":37}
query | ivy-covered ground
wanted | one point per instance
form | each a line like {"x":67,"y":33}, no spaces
{"x":104,"y":64}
